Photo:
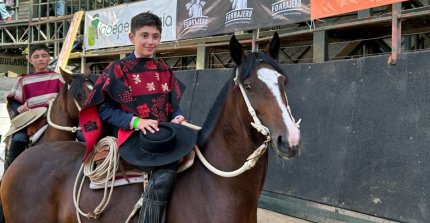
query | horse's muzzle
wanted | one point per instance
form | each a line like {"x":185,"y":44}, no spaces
{"x":284,"y":150}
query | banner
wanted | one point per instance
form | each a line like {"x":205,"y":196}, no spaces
{"x":198,"y":18}
{"x":109,"y":27}
{"x":13,"y":63}
{"x":63,"y":57}
{"x":326,"y":8}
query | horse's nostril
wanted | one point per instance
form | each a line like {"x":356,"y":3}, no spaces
{"x":280,"y":142}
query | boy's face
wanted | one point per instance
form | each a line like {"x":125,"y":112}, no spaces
{"x":145,"y":40}
{"x":40,"y":60}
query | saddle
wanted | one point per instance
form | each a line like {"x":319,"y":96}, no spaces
{"x":129,"y":174}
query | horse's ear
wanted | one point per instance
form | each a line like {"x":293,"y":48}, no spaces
{"x":66,"y":74}
{"x":236,"y":50}
{"x":274,"y":46}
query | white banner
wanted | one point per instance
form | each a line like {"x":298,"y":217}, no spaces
{"x":109,"y":27}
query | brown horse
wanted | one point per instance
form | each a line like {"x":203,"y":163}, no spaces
{"x":227,"y":139}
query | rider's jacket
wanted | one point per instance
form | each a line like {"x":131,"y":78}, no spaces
{"x":141,"y":87}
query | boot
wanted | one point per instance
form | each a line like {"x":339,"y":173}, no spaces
{"x":12,"y":152}
{"x":156,"y":195}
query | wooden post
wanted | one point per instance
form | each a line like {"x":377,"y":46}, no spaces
{"x":396,"y":33}
{"x":320,"y":47}
{"x":83,"y":61}
{"x":202,"y":58}
{"x":255,"y":36}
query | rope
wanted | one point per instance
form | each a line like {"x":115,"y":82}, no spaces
{"x":137,"y":206}
{"x":64,"y":128}
{"x":249,"y":164}
{"x":103,"y":173}
{"x":191,"y":126}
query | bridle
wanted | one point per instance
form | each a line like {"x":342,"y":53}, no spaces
{"x":59,"y":127}
{"x":253,"y":158}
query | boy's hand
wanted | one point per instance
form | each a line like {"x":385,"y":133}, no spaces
{"x":23,"y":108}
{"x":178,"y":119}
{"x":150,"y":125}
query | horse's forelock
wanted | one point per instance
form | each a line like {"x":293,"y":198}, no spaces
{"x":76,"y":87}
{"x":251,"y":62}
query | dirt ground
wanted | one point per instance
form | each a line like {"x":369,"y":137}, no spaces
{"x":266,"y":216}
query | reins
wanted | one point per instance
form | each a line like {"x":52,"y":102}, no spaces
{"x":59,"y":127}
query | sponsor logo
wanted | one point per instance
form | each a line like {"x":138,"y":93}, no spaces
{"x":115,"y":29}
{"x":13,"y":61}
{"x":240,"y":13}
{"x":197,"y":20}
{"x":93,"y":33}
{"x":286,"y":7}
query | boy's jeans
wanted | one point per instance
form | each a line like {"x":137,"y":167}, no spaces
{"x":3,"y":12}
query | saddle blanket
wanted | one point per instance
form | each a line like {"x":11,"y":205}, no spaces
{"x":133,"y":177}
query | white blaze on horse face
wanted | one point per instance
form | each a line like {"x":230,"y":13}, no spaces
{"x":270,"y":78}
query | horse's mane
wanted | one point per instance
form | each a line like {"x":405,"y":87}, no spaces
{"x":76,"y":87}
{"x":251,"y":62}
{"x":213,"y":114}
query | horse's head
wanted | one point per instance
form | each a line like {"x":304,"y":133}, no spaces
{"x":263,"y":82}
{"x":77,"y":88}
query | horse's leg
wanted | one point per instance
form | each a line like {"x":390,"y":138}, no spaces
{"x":200,"y":196}
{"x":24,"y":193}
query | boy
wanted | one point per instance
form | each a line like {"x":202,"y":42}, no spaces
{"x":136,"y":93}
{"x":31,"y":91}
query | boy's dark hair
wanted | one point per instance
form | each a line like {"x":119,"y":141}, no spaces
{"x":38,"y":46}
{"x":145,"y":19}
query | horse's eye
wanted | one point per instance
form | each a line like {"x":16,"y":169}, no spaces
{"x":247,"y":86}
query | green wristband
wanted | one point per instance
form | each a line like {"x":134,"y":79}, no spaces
{"x":135,"y":121}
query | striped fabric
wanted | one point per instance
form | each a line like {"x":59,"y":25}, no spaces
{"x":37,"y":89}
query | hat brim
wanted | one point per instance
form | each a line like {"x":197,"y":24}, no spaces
{"x":185,"y":141}
{"x":38,"y":112}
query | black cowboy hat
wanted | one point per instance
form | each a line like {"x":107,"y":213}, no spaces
{"x":169,"y":144}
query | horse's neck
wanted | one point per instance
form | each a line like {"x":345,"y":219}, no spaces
{"x":204,"y":195}
{"x":231,"y":142}
{"x":59,"y":116}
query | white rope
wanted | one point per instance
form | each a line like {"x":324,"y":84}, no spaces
{"x":297,"y":124}
{"x":137,"y":206}
{"x":249,"y":164}
{"x":64,"y":128}
{"x":103,"y":173}
{"x":191,"y":126}
{"x":257,"y":123}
